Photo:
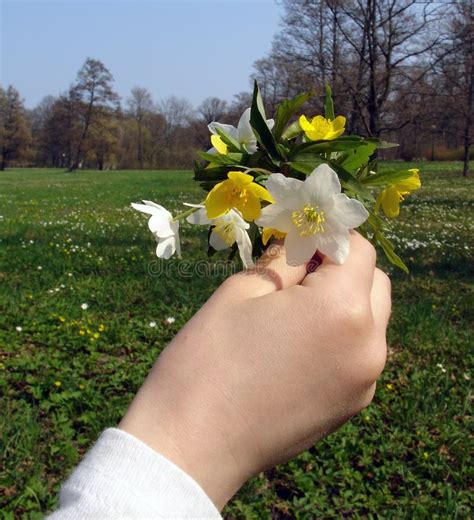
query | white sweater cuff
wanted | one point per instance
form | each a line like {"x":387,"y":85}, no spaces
{"x":123,"y":478}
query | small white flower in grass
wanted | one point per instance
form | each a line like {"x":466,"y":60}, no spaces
{"x":152,"y":324}
{"x":228,"y":229}
{"x":84,"y":306}
{"x":163,"y":227}
{"x":243,"y":134}
{"x":40,"y":268}
{"x":314,"y":214}
{"x":170,"y":320}
{"x":19,"y":329}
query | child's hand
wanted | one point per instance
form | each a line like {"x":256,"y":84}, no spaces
{"x":273,"y":362}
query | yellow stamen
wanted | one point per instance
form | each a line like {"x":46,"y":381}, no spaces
{"x":226,"y":232}
{"x":309,"y":220}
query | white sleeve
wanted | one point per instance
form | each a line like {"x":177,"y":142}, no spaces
{"x":123,"y":478}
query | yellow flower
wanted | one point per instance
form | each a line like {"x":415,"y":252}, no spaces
{"x":389,"y":386}
{"x":391,"y":197}
{"x":219,"y":144}
{"x":96,"y":335}
{"x":321,"y":128}
{"x":239,"y":192}
{"x":57,"y":384}
{"x":62,"y":319}
{"x":82,"y":332}
{"x":269,"y":233}
{"x":101,"y":327}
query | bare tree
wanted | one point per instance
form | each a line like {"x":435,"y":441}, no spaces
{"x":364,"y":48}
{"x":177,"y":113}
{"x":212,"y":109}
{"x":140,"y":105}
{"x":94,"y":90}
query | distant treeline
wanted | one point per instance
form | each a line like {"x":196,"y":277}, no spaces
{"x":402,"y":70}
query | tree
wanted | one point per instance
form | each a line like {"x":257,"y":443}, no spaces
{"x":140,"y":105}
{"x":457,"y":69}
{"x":212,"y":109}
{"x":14,"y":132}
{"x":93,"y":89}
{"x":177,"y":113}
{"x":364,"y":48}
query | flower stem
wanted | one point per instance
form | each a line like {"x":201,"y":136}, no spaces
{"x":184,"y":214}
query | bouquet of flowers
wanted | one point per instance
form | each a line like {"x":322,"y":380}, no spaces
{"x":290,"y":178}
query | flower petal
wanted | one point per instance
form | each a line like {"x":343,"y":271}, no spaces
{"x":321,"y":185}
{"x":217,"y":200}
{"x":217,"y":242}
{"x":240,"y":178}
{"x":339,"y":123}
{"x":219,"y":144}
{"x":260,"y":192}
{"x":175,"y":228}
{"x":199,"y":218}
{"x":250,"y":208}
{"x":270,"y":123}
{"x":228,"y":129}
{"x":150,"y":208}
{"x":284,"y":190}
{"x":244,"y":129}
{"x":299,"y":250}
{"x":335,"y":246}
{"x":277,"y":217}
{"x":346,"y":212}
{"x":160,"y":225}
{"x":245,"y":247}
{"x":166,"y":247}
{"x":390,"y":200}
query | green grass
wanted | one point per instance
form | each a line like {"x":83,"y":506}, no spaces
{"x":69,"y":239}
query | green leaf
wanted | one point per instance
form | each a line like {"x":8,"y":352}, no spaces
{"x":232,"y":143}
{"x":318,"y":147}
{"x":389,"y":251}
{"x":286,"y":110}
{"x":359,"y":157}
{"x":292,"y":131}
{"x":385,"y":178}
{"x":358,"y":189}
{"x":329,"y":104}
{"x":231,"y":158}
{"x":258,"y":122}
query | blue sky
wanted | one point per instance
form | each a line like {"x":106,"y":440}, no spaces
{"x":187,"y":48}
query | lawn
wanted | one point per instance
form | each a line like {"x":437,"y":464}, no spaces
{"x":82,"y":319}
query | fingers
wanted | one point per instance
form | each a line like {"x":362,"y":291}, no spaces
{"x":271,"y":273}
{"x":380,"y":300}
{"x":357,"y":272}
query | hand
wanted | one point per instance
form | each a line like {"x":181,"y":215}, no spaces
{"x":274,"y":361}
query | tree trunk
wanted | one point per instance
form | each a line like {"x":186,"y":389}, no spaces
{"x":468,"y":120}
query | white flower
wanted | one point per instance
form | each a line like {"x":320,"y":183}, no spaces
{"x":163,"y":227}
{"x":84,"y":306}
{"x":19,"y":329}
{"x":228,"y":229}
{"x":40,"y":268}
{"x":243,"y":134}
{"x":170,"y":320}
{"x":314,"y":214}
{"x":152,"y":324}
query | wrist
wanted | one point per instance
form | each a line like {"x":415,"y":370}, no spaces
{"x":188,"y":432}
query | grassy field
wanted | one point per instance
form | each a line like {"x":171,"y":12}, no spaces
{"x":81,"y":321}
